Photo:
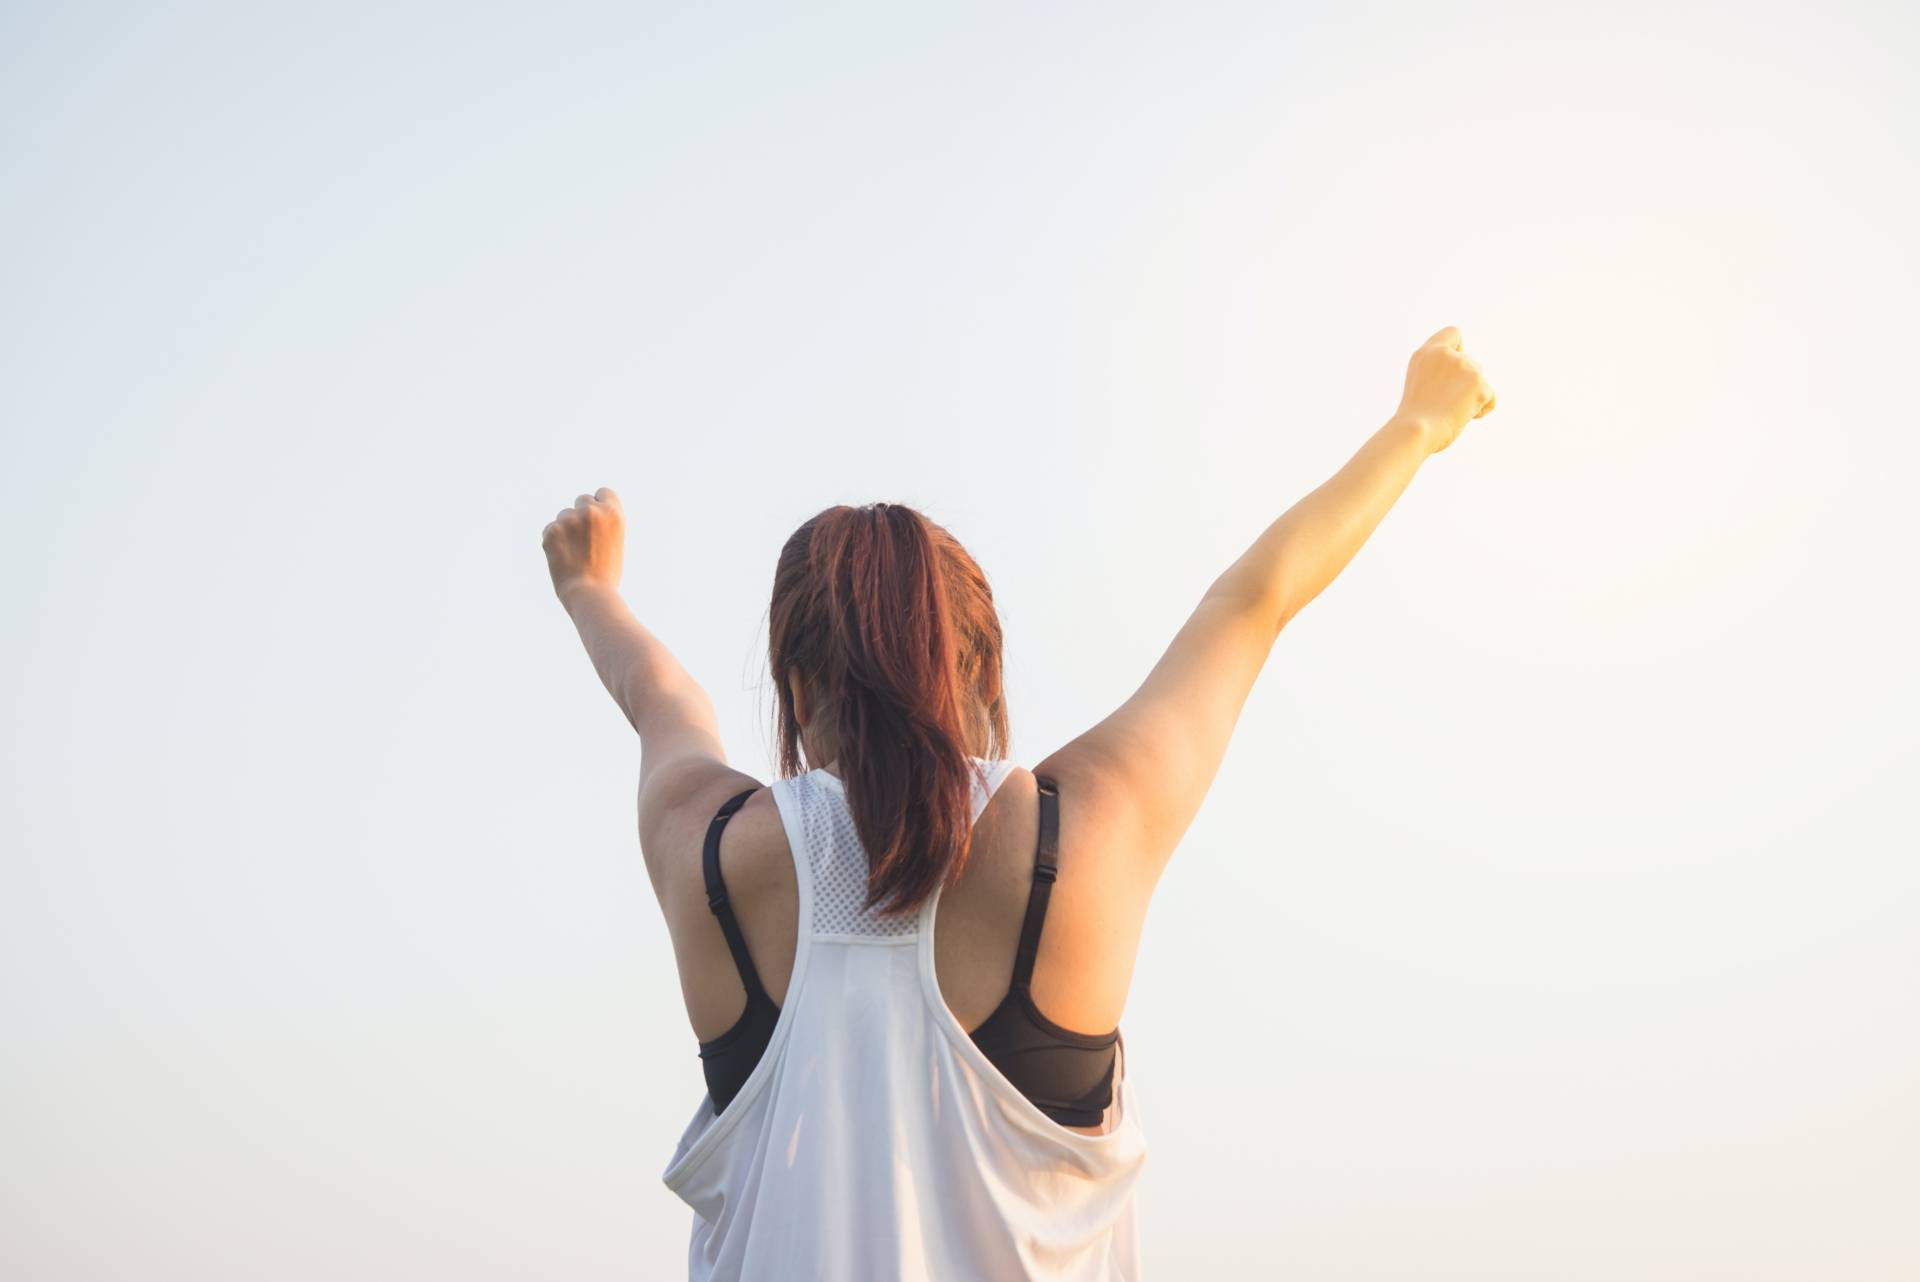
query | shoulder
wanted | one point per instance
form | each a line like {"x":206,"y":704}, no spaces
{"x":1093,"y":824}
{"x":678,"y":804}
{"x":1100,"y":822}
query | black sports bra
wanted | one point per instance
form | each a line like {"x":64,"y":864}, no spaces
{"x":1067,"y":1075}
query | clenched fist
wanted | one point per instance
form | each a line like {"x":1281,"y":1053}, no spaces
{"x":585,"y":542}
{"x":1445,"y":389}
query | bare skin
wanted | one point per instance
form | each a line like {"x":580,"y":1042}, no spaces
{"x":1129,"y":787}
{"x":1081,"y":974}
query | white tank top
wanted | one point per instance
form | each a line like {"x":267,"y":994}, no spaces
{"x":874,"y":1140}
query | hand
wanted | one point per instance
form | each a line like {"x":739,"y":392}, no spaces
{"x":586,"y":542}
{"x":1444,"y":390}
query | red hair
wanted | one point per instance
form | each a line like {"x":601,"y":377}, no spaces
{"x":890,"y":626}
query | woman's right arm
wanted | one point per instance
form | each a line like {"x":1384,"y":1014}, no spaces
{"x":1147,"y":767}
{"x":1303,"y":551}
{"x":1292,"y":562}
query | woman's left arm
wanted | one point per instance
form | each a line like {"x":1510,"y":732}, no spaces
{"x":665,"y":705}
{"x":683,"y":767}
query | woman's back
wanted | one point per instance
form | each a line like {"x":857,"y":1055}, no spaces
{"x":873,"y":1137}
{"x":1087,"y":946}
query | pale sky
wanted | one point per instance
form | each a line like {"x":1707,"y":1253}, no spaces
{"x":1553,"y":914}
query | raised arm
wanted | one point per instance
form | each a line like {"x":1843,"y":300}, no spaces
{"x":1146,"y":768}
{"x":665,"y":705}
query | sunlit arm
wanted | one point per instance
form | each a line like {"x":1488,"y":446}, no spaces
{"x":665,"y":705}
{"x":1303,"y":551}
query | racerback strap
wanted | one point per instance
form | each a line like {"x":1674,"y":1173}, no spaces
{"x":1045,"y":867}
{"x":717,"y":895}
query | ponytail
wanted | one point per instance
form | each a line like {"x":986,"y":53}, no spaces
{"x":892,"y":627}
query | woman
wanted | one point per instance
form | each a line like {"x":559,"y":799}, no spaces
{"x":905,"y":965}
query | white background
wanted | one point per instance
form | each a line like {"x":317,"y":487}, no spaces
{"x":1553,"y":915}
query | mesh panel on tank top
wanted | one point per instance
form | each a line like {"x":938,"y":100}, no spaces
{"x":839,"y":862}
{"x":839,"y":865}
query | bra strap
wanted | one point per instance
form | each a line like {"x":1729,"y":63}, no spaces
{"x":717,"y":895}
{"x":1045,"y":867}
